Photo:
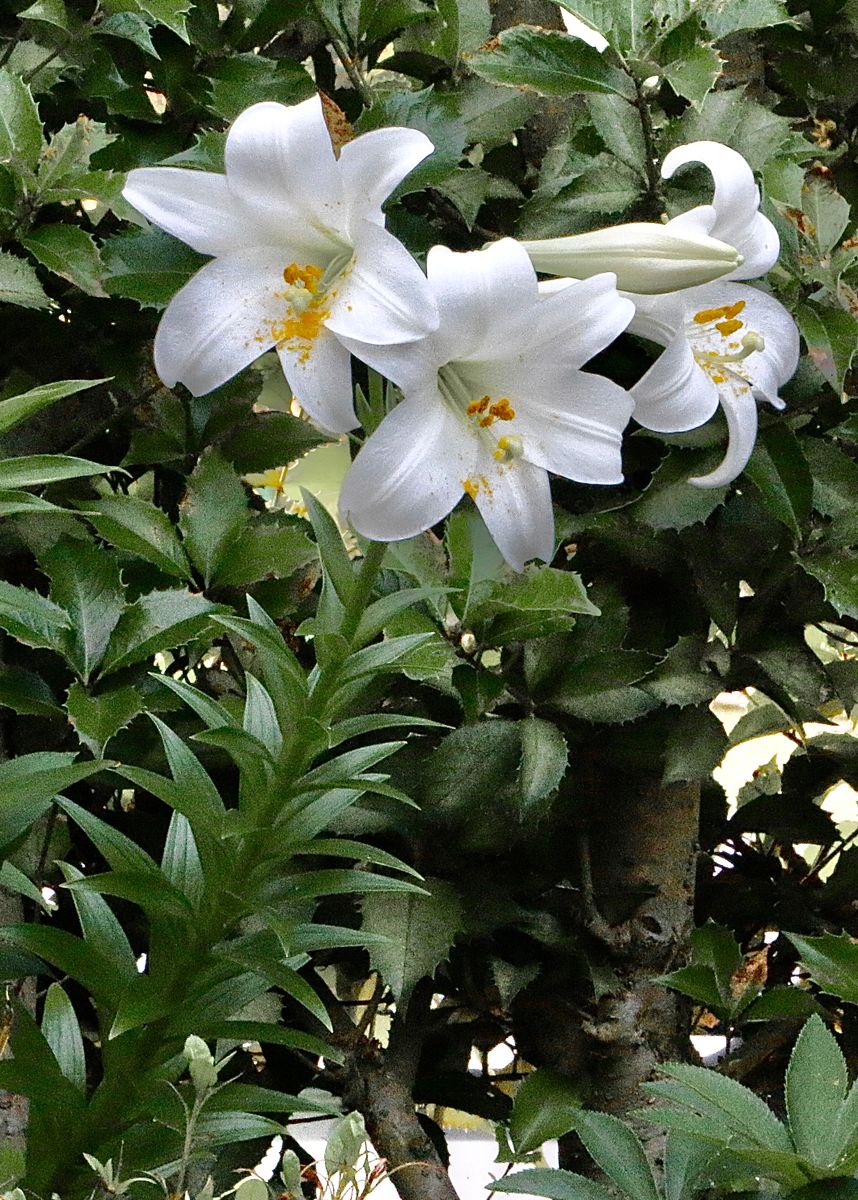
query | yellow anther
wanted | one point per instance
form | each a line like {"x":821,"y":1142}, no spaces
{"x":725,"y":328}
{"x":728,"y":311}
{"x":477,"y":406}
{"x":307,"y":276}
{"x":471,"y":486}
{"x":502,"y":410}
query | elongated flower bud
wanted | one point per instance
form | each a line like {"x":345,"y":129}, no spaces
{"x":647,"y":258}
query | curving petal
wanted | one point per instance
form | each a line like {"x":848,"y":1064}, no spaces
{"x":736,"y":203}
{"x":576,"y":432}
{"x":220,"y":321}
{"x":196,"y":207}
{"x":410,"y":472}
{"x":675,"y":394}
{"x":767,"y":369}
{"x":740,"y":410}
{"x":373,"y":164}
{"x":515,"y":503}
{"x":480,"y":295}
{"x":573,"y":323}
{"x":320,"y":376}
{"x":382,"y":298}
{"x":280,"y":163}
{"x":659,"y":318}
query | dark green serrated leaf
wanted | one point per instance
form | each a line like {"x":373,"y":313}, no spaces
{"x":546,"y":1107}
{"x":31,"y":618}
{"x":816,"y":1083}
{"x":96,"y":718}
{"x":19,"y":283}
{"x":20,"y":127}
{"x":85,"y":583}
{"x":550,"y":63}
{"x":158,"y":621}
{"x":418,"y":932}
{"x":69,"y":252}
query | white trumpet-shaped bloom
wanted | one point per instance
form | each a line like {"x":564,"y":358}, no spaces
{"x":300,"y":255}
{"x":494,"y":399}
{"x":725,"y":343}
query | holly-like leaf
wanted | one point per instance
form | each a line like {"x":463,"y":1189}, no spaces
{"x":31,"y":618}
{"x":832,"y":963}
{"x":550,"y":63}
{"x":420,"y":929}
{"x":214,"y":514}
{"x":96,"y":718}
{"x":537,"y":602}
{"x":139,"y":528}
{"x":837,"y":571}
{"x":147,"y":266}
{"x":831,"y":335}
{"x":546,"y":1106}
{"x":85,"y":584}
{"x":160,"y":620}
{"x":816,"y":1083}
{"x":19,"y":283}
{"x":69,"y":252}
{"x":602,"y":687}
{"x":20,"y":127}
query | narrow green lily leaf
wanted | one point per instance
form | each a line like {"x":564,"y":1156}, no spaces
{"x":20,"y":408}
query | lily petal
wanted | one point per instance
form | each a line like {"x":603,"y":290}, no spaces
{"x":280,"y":163}
{"x":740,"y":409}
{"x":196,"y":207}
{"x":384,"y":298}
{"x":220,"y":321}
{"x":481,"y":294}
{"x":516,"y":507}
{"x":410,"y":473}
{"x":770,"y":368}
{"x":736,"y":202}
{"x":659,"y":318}
{"x":575,"y":322}
{"x":578,"y":434}
{"x":675,"y":394}
{"x":320,"y":376}
{"x":373,"y":164}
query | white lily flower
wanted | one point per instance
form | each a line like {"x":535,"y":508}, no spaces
{"x":301,"y":255}
{"x":727,"y":344}
{"x":494,"y":400}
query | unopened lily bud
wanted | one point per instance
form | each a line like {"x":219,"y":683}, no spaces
{"x":646,"y":257}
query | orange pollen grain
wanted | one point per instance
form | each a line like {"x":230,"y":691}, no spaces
{"x":728,"y":311}
{"x":308,"y":275}
{"x":725,"y":328}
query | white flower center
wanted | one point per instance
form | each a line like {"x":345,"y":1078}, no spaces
{"x":716,"y":327}
{"x":308,"y":290}
{"x":481,"y":415}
